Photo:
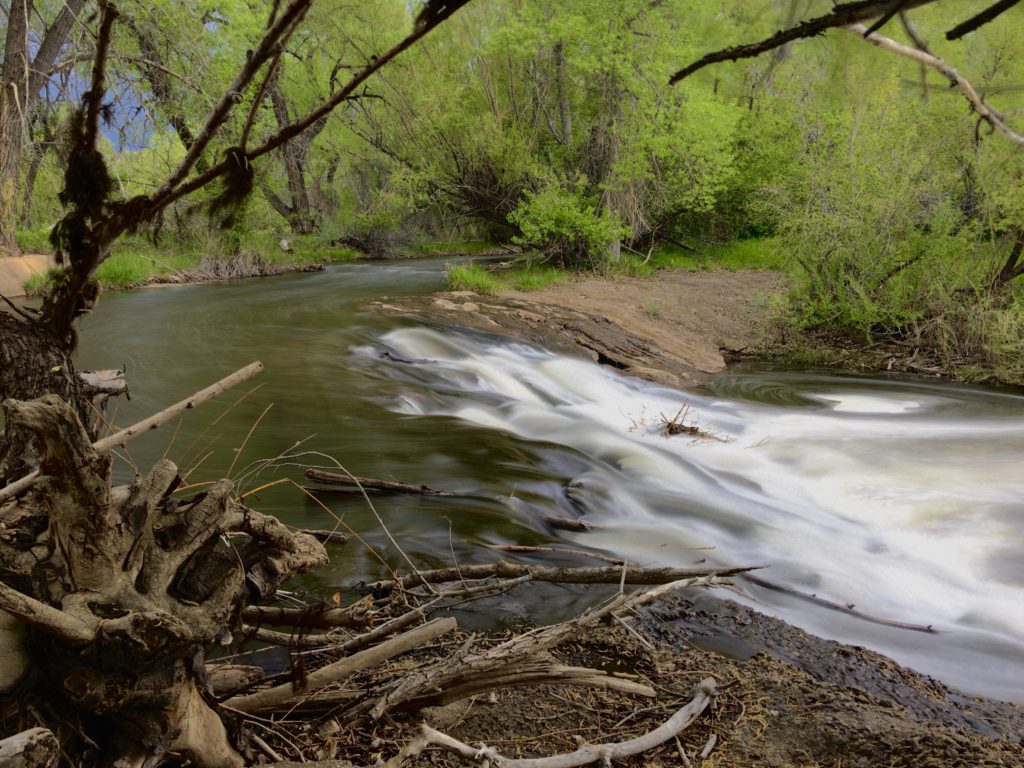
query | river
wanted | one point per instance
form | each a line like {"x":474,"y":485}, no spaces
{"x":901,"y":498}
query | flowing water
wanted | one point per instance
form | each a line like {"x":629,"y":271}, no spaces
{"x":900,"y":498}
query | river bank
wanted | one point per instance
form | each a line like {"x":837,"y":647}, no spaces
{"x":802,"y":700}
{"x":679,"y":329}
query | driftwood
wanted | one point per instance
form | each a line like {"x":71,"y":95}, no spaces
{"x":570,"y":524}
{"x":355,"y":615}
{"x":470,"y":664}
{"x":345,"y":482}
{"x":587,"y":754}
{"x":625,"y":574}
{"x":143,"y":584}
{"x":34,"y":748}
{"x":341,"y":670}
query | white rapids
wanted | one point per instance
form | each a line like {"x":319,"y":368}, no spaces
{"x":900,"y":499}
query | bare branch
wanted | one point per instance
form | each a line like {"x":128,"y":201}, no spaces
{"x":587,"y":754}
{"x":980,"y":19}
{"x":984,"y":111}
{"x":841,"y":16}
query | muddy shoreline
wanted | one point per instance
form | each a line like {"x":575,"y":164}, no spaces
{"x":822,"y":702}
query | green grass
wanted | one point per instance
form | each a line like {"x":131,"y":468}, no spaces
{"x":34,"y":240}
{"x":755,"y":253}
{"x":527,"y":277}
{"x":458,"y":247}
{"x":471,"y":277}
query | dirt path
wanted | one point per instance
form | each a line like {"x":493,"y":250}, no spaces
{"x":672,"y":329}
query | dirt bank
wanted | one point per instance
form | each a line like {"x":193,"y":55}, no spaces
{"x":793,"y":700}
{"x":15,"y":270}
{"x":675,"y":329}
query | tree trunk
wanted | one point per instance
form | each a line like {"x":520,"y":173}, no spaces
{"x":13,"y":109}
{"x":562,"y":94}
{"x":301,"y":217}
{"x":20,"y":83}
{"x":32,"y":364}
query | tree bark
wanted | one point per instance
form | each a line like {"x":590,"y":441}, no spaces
{"x":13,"y":113}
{"x":300,"y":214}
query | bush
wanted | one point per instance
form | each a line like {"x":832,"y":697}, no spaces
{"x":565,"y":227}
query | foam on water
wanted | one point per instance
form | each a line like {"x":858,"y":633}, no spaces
{"x":902,"y":500}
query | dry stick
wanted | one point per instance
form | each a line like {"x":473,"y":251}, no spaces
{"x":122,"y":437}
{"x":984,"y":111}
{"x":351,"y":482}
{"x":585,"y":755}
{"x":598,"y":575}
{"x":528,"y":549}
{"x":342,"y":670}
{"x":200,"y":397}
{"x":838,"y":607}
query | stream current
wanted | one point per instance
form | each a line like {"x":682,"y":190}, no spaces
{"x":900,"y":498}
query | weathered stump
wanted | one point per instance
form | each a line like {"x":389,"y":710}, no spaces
{"x":118,"y":592}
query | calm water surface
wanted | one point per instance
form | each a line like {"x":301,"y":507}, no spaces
{"x":902,"y":498}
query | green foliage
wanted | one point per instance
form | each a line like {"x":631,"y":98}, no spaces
{"x":566,"y":227}
{"x":524,"y":277}
{"x":752,"y":253}
{"x":34,"y":240}
{"x":471,"y":277}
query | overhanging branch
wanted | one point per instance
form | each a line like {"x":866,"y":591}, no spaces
{"x":984,"y":111}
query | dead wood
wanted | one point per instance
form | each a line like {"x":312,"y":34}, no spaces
{"x":311,"y":617}
{"x":341,"y":670}
{"x":704,"y":696}
{"x":223,"y":679}
{"x":569,"y":524}
{"x":34,"y":748}
{"x":470,"y":664}
{"x":627,"y":574}
{"x":143,"y":584}
{"x":357,"y":484}
{"x":152,"y":422}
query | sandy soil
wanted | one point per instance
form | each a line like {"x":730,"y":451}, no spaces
{"x":692,"y":316}
{"x":673,"y":329}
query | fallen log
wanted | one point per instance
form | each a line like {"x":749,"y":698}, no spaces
{"x":503,"y":569}
{"x":34,"y":748}
{"x":352,"y":483}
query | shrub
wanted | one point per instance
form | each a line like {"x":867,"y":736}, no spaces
{"x":565,"y":227}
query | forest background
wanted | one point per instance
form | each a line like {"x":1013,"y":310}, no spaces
{"x":551,"y":128}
